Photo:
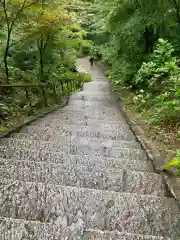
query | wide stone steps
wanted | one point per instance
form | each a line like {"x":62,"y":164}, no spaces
{"x":97,"y":209}
{"x":112,"y":180}
{"x":65,"y":150}
{"x":79,"y":173}
{"x":18,"y":229}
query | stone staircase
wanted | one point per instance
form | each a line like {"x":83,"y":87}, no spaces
{"x":80,"y":174}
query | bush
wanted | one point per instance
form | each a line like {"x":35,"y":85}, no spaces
{"x":174,"y":162}
{"x":162,"y":64}
{"x":159,"y":82}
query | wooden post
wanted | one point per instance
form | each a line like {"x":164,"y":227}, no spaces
{"x":55,"y":94}
{"x":62,"y":85}
{"x":67,"y":81}
{"x":71,"y":85}
{"x":27,"y":96}
{"x":44,"y":95}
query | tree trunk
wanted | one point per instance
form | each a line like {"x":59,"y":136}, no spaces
{"x":41,"y":60}
{"x":149,"y":39}
{"x":5,"y":59}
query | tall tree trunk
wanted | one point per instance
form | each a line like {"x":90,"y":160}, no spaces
{"x":149,"y":39}
{"x":5,"y":59}
{"x":146,"y":40}
{"x":41,"y":68}
{"x":41,"y":60}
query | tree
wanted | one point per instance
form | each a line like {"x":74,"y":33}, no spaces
{"x":12,"y":11}
{"x":35,"y":23}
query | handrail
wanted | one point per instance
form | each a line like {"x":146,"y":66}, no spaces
{"x":66,"y":83}
{"x":21,"y":85}
{"x":36,"y":85}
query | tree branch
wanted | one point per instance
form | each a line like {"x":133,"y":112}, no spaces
{"x":5,"y":13}
{"x":137,"y":3}
{"x":17,"y":42}
{"x":17,"y":15}
{"x":177,"y":9}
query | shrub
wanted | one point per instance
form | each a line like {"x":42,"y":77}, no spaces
{"x":162,"y":64}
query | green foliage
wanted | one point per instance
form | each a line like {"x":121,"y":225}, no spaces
{"x":161,"y":65}
{"x":40,"y":41}
{"x":174,"y":162}
{"x":160,"y":80}
{"x":4,"y":110}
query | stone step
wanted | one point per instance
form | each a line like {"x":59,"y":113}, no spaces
{"x":101,"y":82}
{"x":18,"y":229}
{"x":62,"y":126}
{"x":92,"y":96}
{"x":97,"y":209}
{"x":80,"y":122}
{"x":96,"y":86}
{"x":83,"y":131}
{"x":112,"y":180}
{"x":100,"y":108}
{"x":59,"y":143}
{"x":85,"y":103}
{"x":99,"y":111}
{"x":81,"y":116}
{"x":80,"y":149}
{"x":63,"y":157}
{"x":72,"y":114}
{"x":87,"y":163}
{"x":115,"y":235}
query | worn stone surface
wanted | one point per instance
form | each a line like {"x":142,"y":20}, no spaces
{"x":88,"y":163}
{"x":60,"y":128}
{"x":65,"y":115}
{"x":88,"y":113}
{"x":58,"y":122}
{"x":11,"y":229}
{"x":82,"y":131}
{"x":125,"y":153}
{"x":104,"y":210}
{"x":16,"y":229}
{"x":84,"y":103}
{"x":109,"y":179}
{"x":95,"y":124}
{"x":100,"y":235}
{"x":79,"y":173}
{"x":96,"y":86}
{"x":92,"y":96}
{"x":88,"y":144}
{"x":96,"y":111}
